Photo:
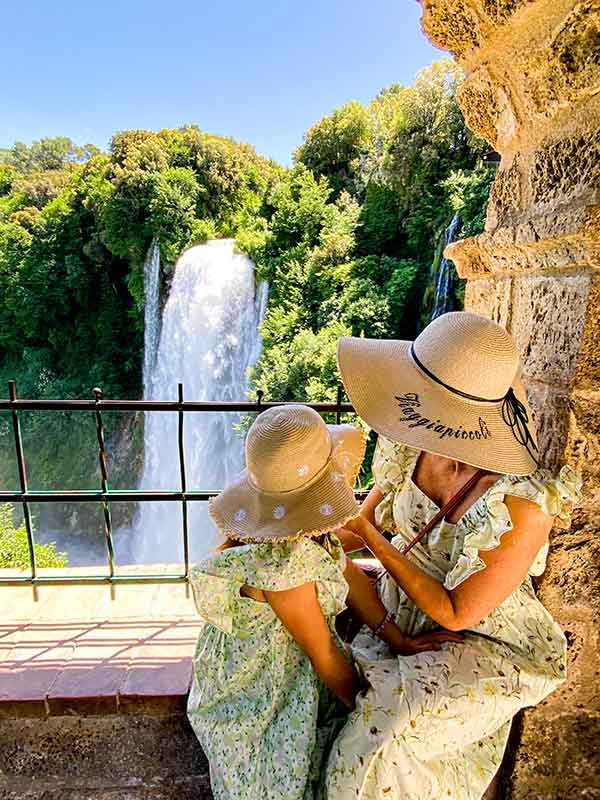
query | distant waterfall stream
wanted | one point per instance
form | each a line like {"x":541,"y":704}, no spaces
{"x":209,"y":339}
{"x":444,"y":287}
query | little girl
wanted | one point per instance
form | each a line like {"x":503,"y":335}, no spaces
{"x":272,"y":681}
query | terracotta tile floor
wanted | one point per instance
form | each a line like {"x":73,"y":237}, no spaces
{"x":77,"y":650}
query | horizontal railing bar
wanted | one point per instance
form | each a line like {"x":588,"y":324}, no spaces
{"x":157,"y":405}
{"x":114,"y":496}
{"x":90,"y":579}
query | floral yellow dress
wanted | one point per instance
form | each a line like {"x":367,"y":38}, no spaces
{"x":263,"y":717}
{"x":435,"y":725}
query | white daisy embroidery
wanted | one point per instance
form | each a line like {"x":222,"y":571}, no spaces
{"x":240,"y":515}
{"x":279,"y":512}
{"x":337,"y":476}
{"x":326,"y":509}
{"x":303,"y":470}
{"x":345,"y":459}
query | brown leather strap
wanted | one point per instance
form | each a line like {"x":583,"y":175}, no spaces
{"x":450,"y":505}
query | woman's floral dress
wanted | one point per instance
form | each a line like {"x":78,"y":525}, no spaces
{"x":263,"y":717}
{"x":435,"y":725}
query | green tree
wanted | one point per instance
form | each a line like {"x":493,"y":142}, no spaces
{"x":333,"y":147}
{"x":14,"y":546}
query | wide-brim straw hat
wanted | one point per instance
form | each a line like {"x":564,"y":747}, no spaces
{"x":455,"y":391}
{"x":298,"y":481}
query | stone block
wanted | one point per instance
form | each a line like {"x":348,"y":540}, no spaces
{"x":491,"y":298}
{"x":557,"y":757}
{"x":551,"y":417}
{"x":565,"y":70}
{"x":107,"y":751}
{"x":452,"y":25}
{"x":547,"y":322}
{"x":587,"y":375}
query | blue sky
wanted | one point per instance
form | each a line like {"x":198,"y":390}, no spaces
{"x":260,"y":71}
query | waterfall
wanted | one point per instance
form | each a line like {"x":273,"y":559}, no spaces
{"x":208,"y":341}
{"x":444,"y":285}
{"x":151,"y":311}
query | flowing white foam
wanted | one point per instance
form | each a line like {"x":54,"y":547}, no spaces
{"x":208,"y":341}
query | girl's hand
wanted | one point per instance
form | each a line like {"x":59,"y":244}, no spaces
{"x":426,"y":641}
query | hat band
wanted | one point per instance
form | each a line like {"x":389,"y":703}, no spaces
{"x":435,"y":378}
{"x":514,"y":412}
{"x":319,"y":474}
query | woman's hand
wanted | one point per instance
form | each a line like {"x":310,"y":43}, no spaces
{"x":426,"y":641}
{"x":506,"y":566}
{"x":349,"y":540}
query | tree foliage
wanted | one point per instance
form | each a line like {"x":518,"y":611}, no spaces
{"x":346,"y":237}
{"x":14,"y":546}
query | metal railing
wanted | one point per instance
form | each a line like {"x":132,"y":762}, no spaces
{"x":105,"y":495}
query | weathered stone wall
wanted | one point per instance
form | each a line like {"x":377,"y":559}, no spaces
{"x":532,"y":89}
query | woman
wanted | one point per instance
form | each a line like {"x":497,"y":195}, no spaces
{"x":452,"y":415}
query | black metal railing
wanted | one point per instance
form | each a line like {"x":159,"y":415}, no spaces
{"x":104,"y":495}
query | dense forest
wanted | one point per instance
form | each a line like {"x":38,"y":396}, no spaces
{"x":346,"y":237}
{"x":349,"y":239}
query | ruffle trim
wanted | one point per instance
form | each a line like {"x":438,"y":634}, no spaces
{"x":393,"y":463}
{"x":555,"y":495}
{"x":216,"y":581}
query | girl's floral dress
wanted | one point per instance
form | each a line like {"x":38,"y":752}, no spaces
{"x":435,"y":725}
{"x":263,"y":717}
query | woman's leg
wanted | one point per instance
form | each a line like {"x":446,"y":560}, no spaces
{"x":431,"y":726}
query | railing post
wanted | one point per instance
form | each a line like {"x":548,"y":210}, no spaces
{"x":186,"y":549}
{"x":340,"y":396}
{"x":12,"y":391}
{"x":104,"y":478}
{"x":259,"y":398}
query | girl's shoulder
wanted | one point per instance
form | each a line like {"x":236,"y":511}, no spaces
{"x":271,"y":567}
{"x":276,"y":566}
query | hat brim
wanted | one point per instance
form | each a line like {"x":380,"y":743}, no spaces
{"x":243,"y":512}
{"x":395,"y":398}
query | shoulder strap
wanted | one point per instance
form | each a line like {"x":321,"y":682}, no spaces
{"x":451,"y":504}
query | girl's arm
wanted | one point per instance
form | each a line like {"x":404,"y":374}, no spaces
{"x":368,"y":608}
{"x":300,"y":612}
{"x":471,"y":601}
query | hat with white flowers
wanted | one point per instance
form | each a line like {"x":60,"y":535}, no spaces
{"x":298,"y":480}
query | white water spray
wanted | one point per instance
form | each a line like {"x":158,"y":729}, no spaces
{"x":443,"y":301}
{"x":151,"y":311}
{"x":208,"y":341}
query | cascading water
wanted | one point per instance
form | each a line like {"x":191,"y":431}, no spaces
{"x":208,"y":341}
{"x":444,"y":298}
{"x":151,"y":311}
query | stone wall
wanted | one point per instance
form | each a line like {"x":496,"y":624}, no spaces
{"x":532,"y":89}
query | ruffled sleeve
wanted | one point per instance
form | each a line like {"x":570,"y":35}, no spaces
{"x":487,"y":521}
{"x":392,"y":465}
{"x":273,"y":567}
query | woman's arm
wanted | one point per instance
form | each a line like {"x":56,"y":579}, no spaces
{"x":300,"y":612}
{"x":471,"y":601}
{"x":370,"y":503}
{"x":368,"y":608}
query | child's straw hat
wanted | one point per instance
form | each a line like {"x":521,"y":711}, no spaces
{"x":298,"y":480}
{"x":454,"y":391}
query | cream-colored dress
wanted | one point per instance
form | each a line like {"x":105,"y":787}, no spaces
{"x":435,"y":725}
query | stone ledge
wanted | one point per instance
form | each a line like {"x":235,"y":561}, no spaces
{"x":102,"y":757}
{"x":78,"y":651}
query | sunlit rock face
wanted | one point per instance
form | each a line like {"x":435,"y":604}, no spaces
{"x":532,"y":89}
